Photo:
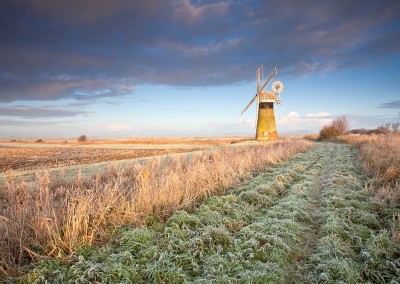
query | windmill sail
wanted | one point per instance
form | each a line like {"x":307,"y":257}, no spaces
{"x":265,"y":115}
{"x":249,"y":104}
{"x":271,"y":75}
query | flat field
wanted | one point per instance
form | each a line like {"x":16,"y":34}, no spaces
{"x":30,"y":155}
{"x":290,"y":211}
{"x":32,"y":158}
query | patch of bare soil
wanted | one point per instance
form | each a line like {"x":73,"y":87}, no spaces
{"x":29,"y":158}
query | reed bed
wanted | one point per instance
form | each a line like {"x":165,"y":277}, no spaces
{"x":379,"y":156}
{"x":53,"y":218}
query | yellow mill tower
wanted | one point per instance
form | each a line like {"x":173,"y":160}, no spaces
{"x":266,"y":125}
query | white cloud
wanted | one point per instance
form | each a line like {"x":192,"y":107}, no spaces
{"x":294,"y":122}
{"x":318,"y":114}
{"x":190,"y":13}
{"x":292,"y":115}
{"x":117,"y":127}
{"x":239,"y":123}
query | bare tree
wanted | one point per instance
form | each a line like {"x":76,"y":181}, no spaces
{"x":395,"y":127}
{"x":384,"y":128}
{"x":341,"y":123}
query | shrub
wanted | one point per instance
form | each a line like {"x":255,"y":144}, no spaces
{"x":376,"y":131}
{"x":395,"y":127}
{"x":338,"y":126}
{"x":358,"y":131}
{"x":39,"y":141}
{"x":82,"y":138}
{"x":328,"y":132}
{"x":342,"y":124}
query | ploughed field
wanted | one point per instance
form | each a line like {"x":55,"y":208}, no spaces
{"x":32,"y":158}
{"x":27,"y":155}
{"x":307,"y":220}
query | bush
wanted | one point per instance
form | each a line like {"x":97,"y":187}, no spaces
{"x":358,"y":131}
{"x":376,"y":131}
{"x":338,"y":126}
{"x":82,"y":138}
{"x":328,"y":132}
{"x":39,"y":141}
{"x":342,"y":124}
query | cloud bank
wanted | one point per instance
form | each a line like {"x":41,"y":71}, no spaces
{"x":90,"y":49}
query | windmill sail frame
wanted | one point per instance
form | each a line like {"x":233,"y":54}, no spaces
{"x":266,"y":125}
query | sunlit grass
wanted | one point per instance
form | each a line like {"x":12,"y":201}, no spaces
{"x":308,"y":220}
{"x":52,"y":218}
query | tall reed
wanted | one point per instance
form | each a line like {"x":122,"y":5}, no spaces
{"x":380,"y":159}
{"x":379,"y":155}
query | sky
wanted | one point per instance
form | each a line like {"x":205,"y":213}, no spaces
{"x":126,"y":68}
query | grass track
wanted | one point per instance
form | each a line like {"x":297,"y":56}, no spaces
{"x":306,"y":221}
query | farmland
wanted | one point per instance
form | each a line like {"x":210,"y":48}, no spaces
{"x":30,"y":158}
{"x":28,"y":155}
{"x":286,"y":212}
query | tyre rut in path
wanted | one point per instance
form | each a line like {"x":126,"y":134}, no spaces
{"x":348,"y":242}
{"x":304,"y":221}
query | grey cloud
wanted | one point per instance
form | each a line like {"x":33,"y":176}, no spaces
{"x":82,"y":89}
{"x":89,"y":50}
{"x":38,"y":112}
{"x":369,"y":121}
{"x":393,"y":104}
{"x":35,"y":123}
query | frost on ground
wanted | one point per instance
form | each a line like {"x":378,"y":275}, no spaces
{"x":306,"y":221}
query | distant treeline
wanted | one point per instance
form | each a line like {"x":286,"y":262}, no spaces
{"x":383,"y":129}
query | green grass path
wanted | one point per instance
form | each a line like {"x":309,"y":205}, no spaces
{"x":305,"y":221}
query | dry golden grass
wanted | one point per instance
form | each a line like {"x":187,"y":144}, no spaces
{"x":53,"y":218}
{"x":379,"y":154}
{"x":380,"y":159}
{"x":311,"y":137}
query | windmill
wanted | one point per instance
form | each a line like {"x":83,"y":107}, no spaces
{"x":266,"y":125}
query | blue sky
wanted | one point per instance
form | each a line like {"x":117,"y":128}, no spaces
{"x":187,"y":68}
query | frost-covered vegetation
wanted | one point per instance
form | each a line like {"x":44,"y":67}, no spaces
{"x":51,"y":217}
{"x":352,"y":246}
{"x":306,"y":221}
{"x":251,"y":235}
